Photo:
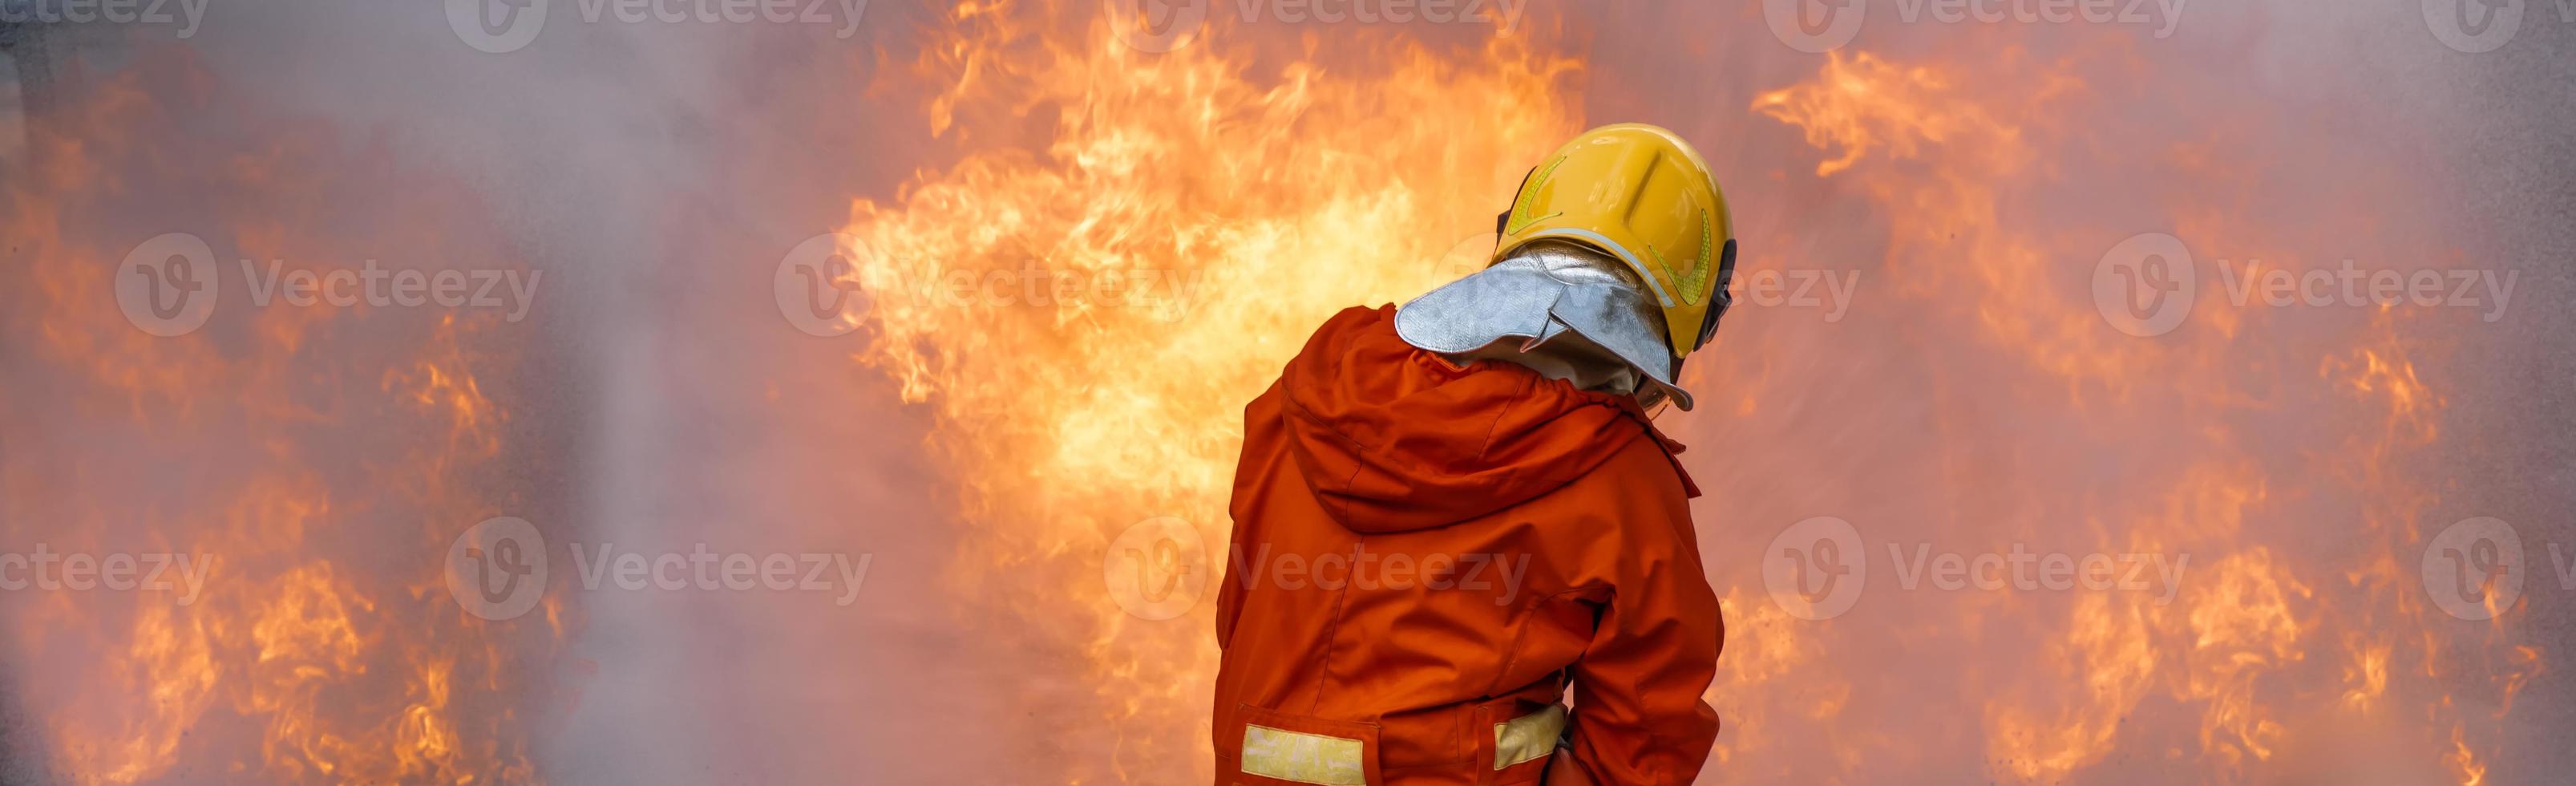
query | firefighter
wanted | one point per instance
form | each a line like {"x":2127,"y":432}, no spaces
{"x":1446,"y":514}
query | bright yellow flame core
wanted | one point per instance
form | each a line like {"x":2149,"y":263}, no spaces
{"x":1239,"y":211}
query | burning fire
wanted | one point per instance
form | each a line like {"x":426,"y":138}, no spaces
{"x":1246,"y":209}
{"x":2275,"y":642}
{"x":1292,"y":187}
{"x":1117,"y":251}
{"x":317,"y":462}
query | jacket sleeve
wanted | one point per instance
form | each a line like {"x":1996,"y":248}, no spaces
{"x":1638,"y":716}
{"x":1261,"y":439}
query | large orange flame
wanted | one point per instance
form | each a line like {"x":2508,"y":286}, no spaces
{"x":2255,"y":646}
{"x":1246,"y":204}
{"x":1119,"y":249}
{"x":1293,"y":185}
{"x":321,"y":461}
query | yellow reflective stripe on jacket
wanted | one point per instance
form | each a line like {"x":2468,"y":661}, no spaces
{"x":1327,"y":760}
{"x":1528,"y":737}
{"x":1301,"y":757}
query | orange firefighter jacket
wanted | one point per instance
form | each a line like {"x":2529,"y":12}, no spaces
{"x":1424,"y":557}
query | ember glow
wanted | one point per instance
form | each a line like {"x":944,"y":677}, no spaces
{"x":1079,"y":249}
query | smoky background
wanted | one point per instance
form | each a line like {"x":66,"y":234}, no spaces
{"x":656,"y":399}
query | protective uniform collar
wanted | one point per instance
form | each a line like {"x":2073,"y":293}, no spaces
{"x":1542,"y":292}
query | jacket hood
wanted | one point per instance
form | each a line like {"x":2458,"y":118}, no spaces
{"x":1392,"y":438}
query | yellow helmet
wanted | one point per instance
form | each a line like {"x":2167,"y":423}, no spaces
{"x":1639,"y":193}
